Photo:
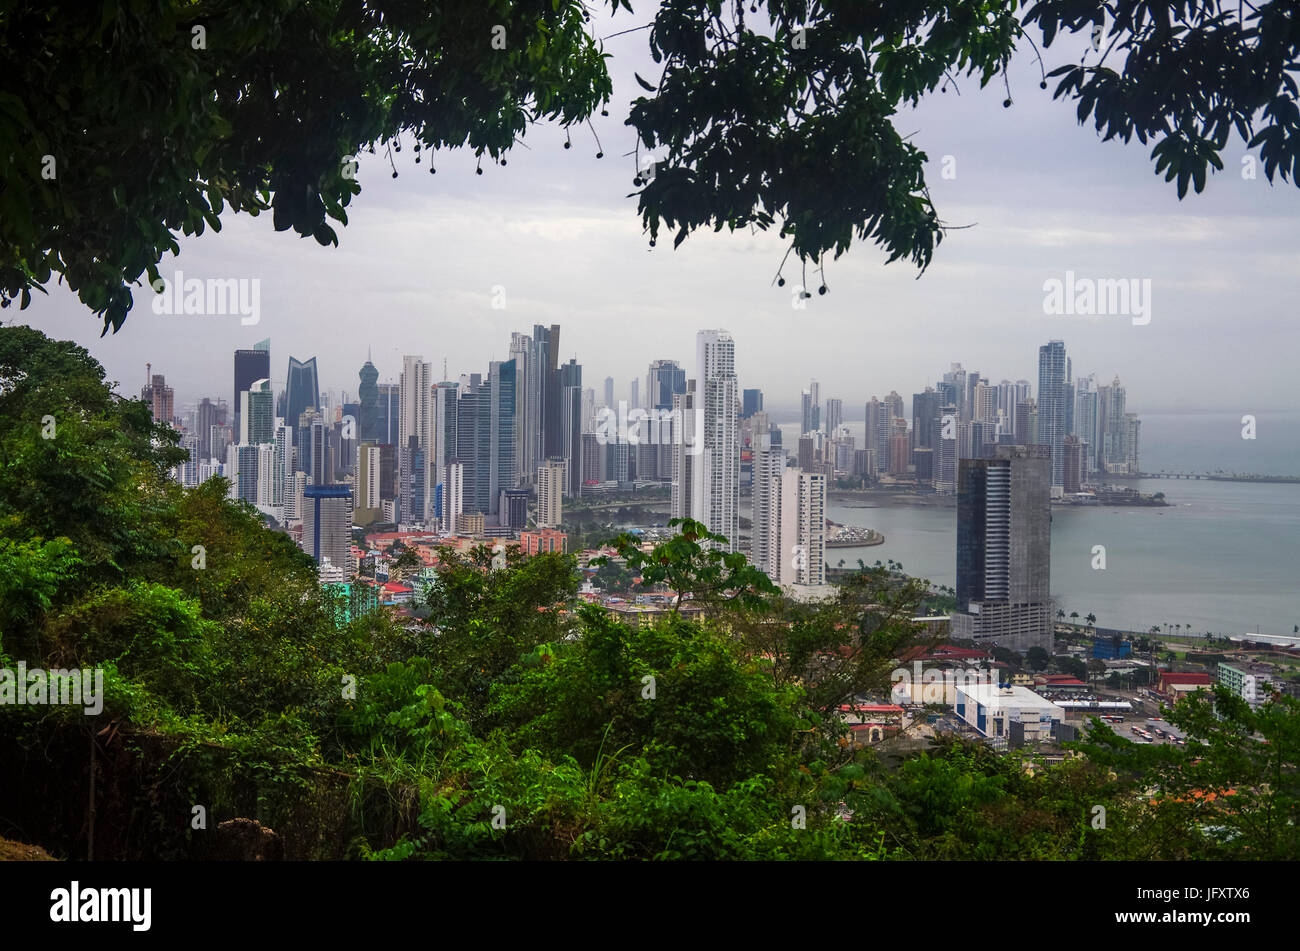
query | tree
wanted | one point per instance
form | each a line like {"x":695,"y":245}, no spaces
{"x":783,"y":120}
{"x":694,"y":564}
{"x":1091,"y":619}
{"x":1037,"y":658}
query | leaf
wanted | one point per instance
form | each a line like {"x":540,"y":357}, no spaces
{"x":644,"y":85}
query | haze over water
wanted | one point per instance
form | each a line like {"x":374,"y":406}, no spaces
{"x":1223,"y":557}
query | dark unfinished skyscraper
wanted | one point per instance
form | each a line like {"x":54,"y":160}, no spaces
{"x":250,"y":366}
{"x":1004,"y":548}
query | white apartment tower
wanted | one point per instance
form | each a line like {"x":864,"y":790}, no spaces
{"x":801,"y":541}
{"x":716,"y":484}
{"x":453,"y":495}
{"x":769,"y":465}
{"x":550,"y":493}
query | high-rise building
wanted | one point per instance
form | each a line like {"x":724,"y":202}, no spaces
{"x":664,"y":381}
{"x":1004,"y":538}
{"x":1085,"y":420}
{"x":1074,"y":470}
{"x":876,"y":431}
{"x":474,"y":439}
{"x":716,"y":493}
{"x":751,"y":402}
{"x":301,"y":389}
{"x":801,"y":542}
{"x":946,"y":452}
{"x":634,"y":394}
{"x":570,"y":420}
{"x":503,"y":449}
{"x":256,"y":417}
{"x":368,"y":400}
{"x":388,"y":415}
{"x":250,"y":365}
{"x":899,"y":454}
{"x":806,"y":412}
{"x":446,"y":426}
{"x":955,"y":391}
{"x":453,"y":496}
{"x":327,"y":524}
{"x":514,"y":509}
{"x":551,"y":479}
{"x":160,"y":398}
{"x":282,"y":470}
{"x":521,"y":352}
{"x":834,"y":416}
{"x":205,"y":417}
{"x":1053,"y":395}
{"x":241,"y":470}
{"x":769,"y":464}
{"x":319,"y":455}
{"x":985,"y":403}
{"x":1027,"y":422}
{"x":609,"y":391}
{"x":685,"y":438}
{"x":925,"y":419}
{"x":369,"y":502}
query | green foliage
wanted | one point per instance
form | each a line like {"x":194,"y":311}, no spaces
{"x":515,"y":722}
{"x":764,"y":114}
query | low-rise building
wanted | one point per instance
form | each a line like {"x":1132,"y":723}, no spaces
{"x":991,"y":708}
{"x":1247,"y":681}
{"x":1173,"y":686}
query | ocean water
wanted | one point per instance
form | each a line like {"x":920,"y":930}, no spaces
{"x":1224,"y":557}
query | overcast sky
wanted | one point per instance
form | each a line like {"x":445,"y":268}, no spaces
{"x":417,"y":265}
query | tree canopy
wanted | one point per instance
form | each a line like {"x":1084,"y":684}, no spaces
{"x":766,"y":113}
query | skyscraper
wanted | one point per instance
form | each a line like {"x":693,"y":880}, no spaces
{"x":664,"y":381}
{"x":368,"y":398}
{"x":570,"y":419}
{"x":453,"y":495}
{"x":834,"y":415}
{"x":368,"y":502}
{"x":684,"y":438}
{"x":1085,"y":420}
{"x":502,"y":452}
{"x":250,"y":365}
{"x":1074,"y":471}
{"x":301,"y":389}
{"x":769,"y":464}
{"x":609,"y":391}
{"x":550,"y":493}
{"x":256,"y":419}
{"x":716,"y":493}
{"x":925,"y":419}
{"x":160,"y":398}
{"x":474,"y":440}
{"x":802,"y":540}
{"x":388,"y":415}
{"x":751,"y":402}
{"x":1053,"y":394}
{"x":327,"y":524}
{"x":1004,"y":550}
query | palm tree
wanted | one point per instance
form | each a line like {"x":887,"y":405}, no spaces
{"x":1060,"y":613}
{"x":1074,"y":615}
{"x":1091,"y":619}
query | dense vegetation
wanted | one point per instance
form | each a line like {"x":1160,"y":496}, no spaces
{"x":517,"y":722}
